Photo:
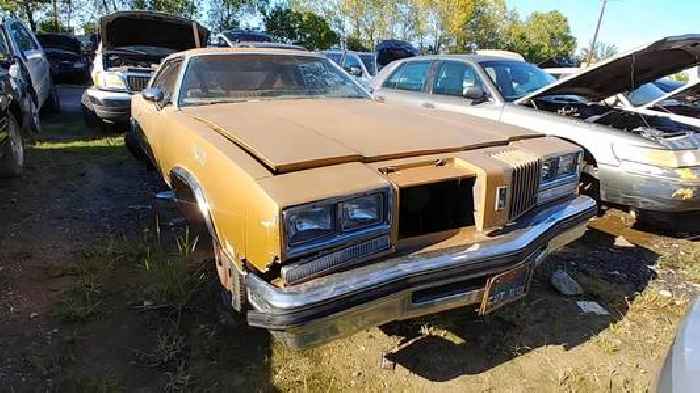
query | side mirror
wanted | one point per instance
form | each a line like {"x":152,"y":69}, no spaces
{"x":354,"y":71}
{"x":474,"y":93}
{"x":153,"y":94}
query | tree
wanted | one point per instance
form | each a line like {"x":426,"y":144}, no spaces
{"x":186,"y":8}
{"x":542,"y":36}
{"x":303,"y":28}
{"x":225,"y":14}
{"x":601,"y":51}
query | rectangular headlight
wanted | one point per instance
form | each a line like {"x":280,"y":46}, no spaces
{"x":568,"y":164}
{"x":549,"y":169}
{"x":310,"y":223}
{"x":361,"y":212}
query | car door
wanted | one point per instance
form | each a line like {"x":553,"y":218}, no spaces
{"x":153,"y":114}
{"x":451,"y":81}
{"x":34,"y":59}
{"x":407,"y":84}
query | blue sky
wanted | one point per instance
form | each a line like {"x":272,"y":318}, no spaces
{"x":627,"y":23}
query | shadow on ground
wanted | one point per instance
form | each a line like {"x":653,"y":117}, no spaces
{"x":445,"y":346}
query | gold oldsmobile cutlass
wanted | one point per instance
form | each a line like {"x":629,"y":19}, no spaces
{"x":330,"y":212}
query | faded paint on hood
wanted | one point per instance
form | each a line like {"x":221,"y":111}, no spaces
{"x":147,"y":28}
{"x":290,"y":135}
{"x":629,"y":70}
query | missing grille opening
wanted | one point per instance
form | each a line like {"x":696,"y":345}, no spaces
{"x":436,"y":207}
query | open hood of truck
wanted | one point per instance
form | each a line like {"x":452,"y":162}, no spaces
{"x":628,"y":71}
{"x":684,"y":101}
{"x":291,"y":135}
{"x":150,"y":29}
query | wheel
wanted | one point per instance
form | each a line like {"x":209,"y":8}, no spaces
{"x":32,"y":121}
{"x":135,"y":150}
{"x":12,"y":161}
{"x":89,"y":117}
{"x":53,"y":103}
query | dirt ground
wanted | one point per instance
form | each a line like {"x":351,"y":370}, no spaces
{"x":94,"y":299}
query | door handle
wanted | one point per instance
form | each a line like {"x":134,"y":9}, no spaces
{"x":428,"y":105}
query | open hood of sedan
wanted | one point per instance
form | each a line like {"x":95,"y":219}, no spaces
{"x":683,"y":101}
{"x":152,"y":29}
{"x":291,"y":135}
{"x":628,"y":71}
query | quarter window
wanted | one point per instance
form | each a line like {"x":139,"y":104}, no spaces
{"x":453,"y":78}
{"x":167,"y":78}
{"x":411,"y":76}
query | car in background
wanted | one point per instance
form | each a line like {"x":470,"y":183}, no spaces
{"x":646,"y":162}
{"x":388,"y":51}
{"x":229,"y":39}
{"x":126,"y":57}
{"x":361,"y":65}
{"x":220,"y":43}
{"x":30,"y":69}
{"x":330,"y":213}
{"x":561,"y":73}
{"x":681,"y":370}
{"x":649,"y":93}
{"x":65,"y":56}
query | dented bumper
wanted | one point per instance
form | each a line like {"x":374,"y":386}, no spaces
{"x":406,"y":287}
{"x":678,"y":194}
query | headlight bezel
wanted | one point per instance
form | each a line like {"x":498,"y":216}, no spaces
{"x":101,"y":81}
{"x":555,"y":177}
{"x":340,"y":236}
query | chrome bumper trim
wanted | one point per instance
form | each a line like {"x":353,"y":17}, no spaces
{"x":343,"y":303}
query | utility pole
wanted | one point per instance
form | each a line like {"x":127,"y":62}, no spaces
{"x":591,"y":52}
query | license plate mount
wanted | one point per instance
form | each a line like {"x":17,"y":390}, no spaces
{"x":506,"y":288}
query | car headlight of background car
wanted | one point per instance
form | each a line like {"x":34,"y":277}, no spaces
{"x":110,"y":81}
{"x":559,"y":176}
{"x":334,"y":222}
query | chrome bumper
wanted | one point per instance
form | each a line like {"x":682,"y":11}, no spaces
{"x":341,"y":304}
{"x":648,"y":192}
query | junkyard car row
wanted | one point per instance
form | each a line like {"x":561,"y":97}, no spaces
{"x":337,"y":200}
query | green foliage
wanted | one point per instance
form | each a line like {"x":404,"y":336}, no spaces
{"x":51,"y":25}
{"x":542,"y":36}
{"x":89,"y":27}
{"x":600,"y":52}
{"x":354,"y":43}
{"x":225,"y":14}
{"x":303,"y":28}
{"x":186,"y":8}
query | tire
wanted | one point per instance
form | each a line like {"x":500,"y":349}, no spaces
{"x":53,"y":103}
{"x":12,"y":161}
{"x":89,"y":117}
{"x":135,"y":150}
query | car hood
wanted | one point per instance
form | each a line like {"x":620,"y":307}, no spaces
{"x":154,"y":29}
{"x":59,"y":42}
{"x":291,"y":135}
{"x":628,"y":71}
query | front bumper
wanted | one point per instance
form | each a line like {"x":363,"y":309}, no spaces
{"x":108,"y":105}
{"x":648,"y":192}
{"x":406,"y":287}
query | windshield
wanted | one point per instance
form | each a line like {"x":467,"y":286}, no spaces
{"x":241,"y":77}
{"x":645,"y":94}
{"x":370,"y":64}
{"x":335,"y":56}
{"x":516,"y":79}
